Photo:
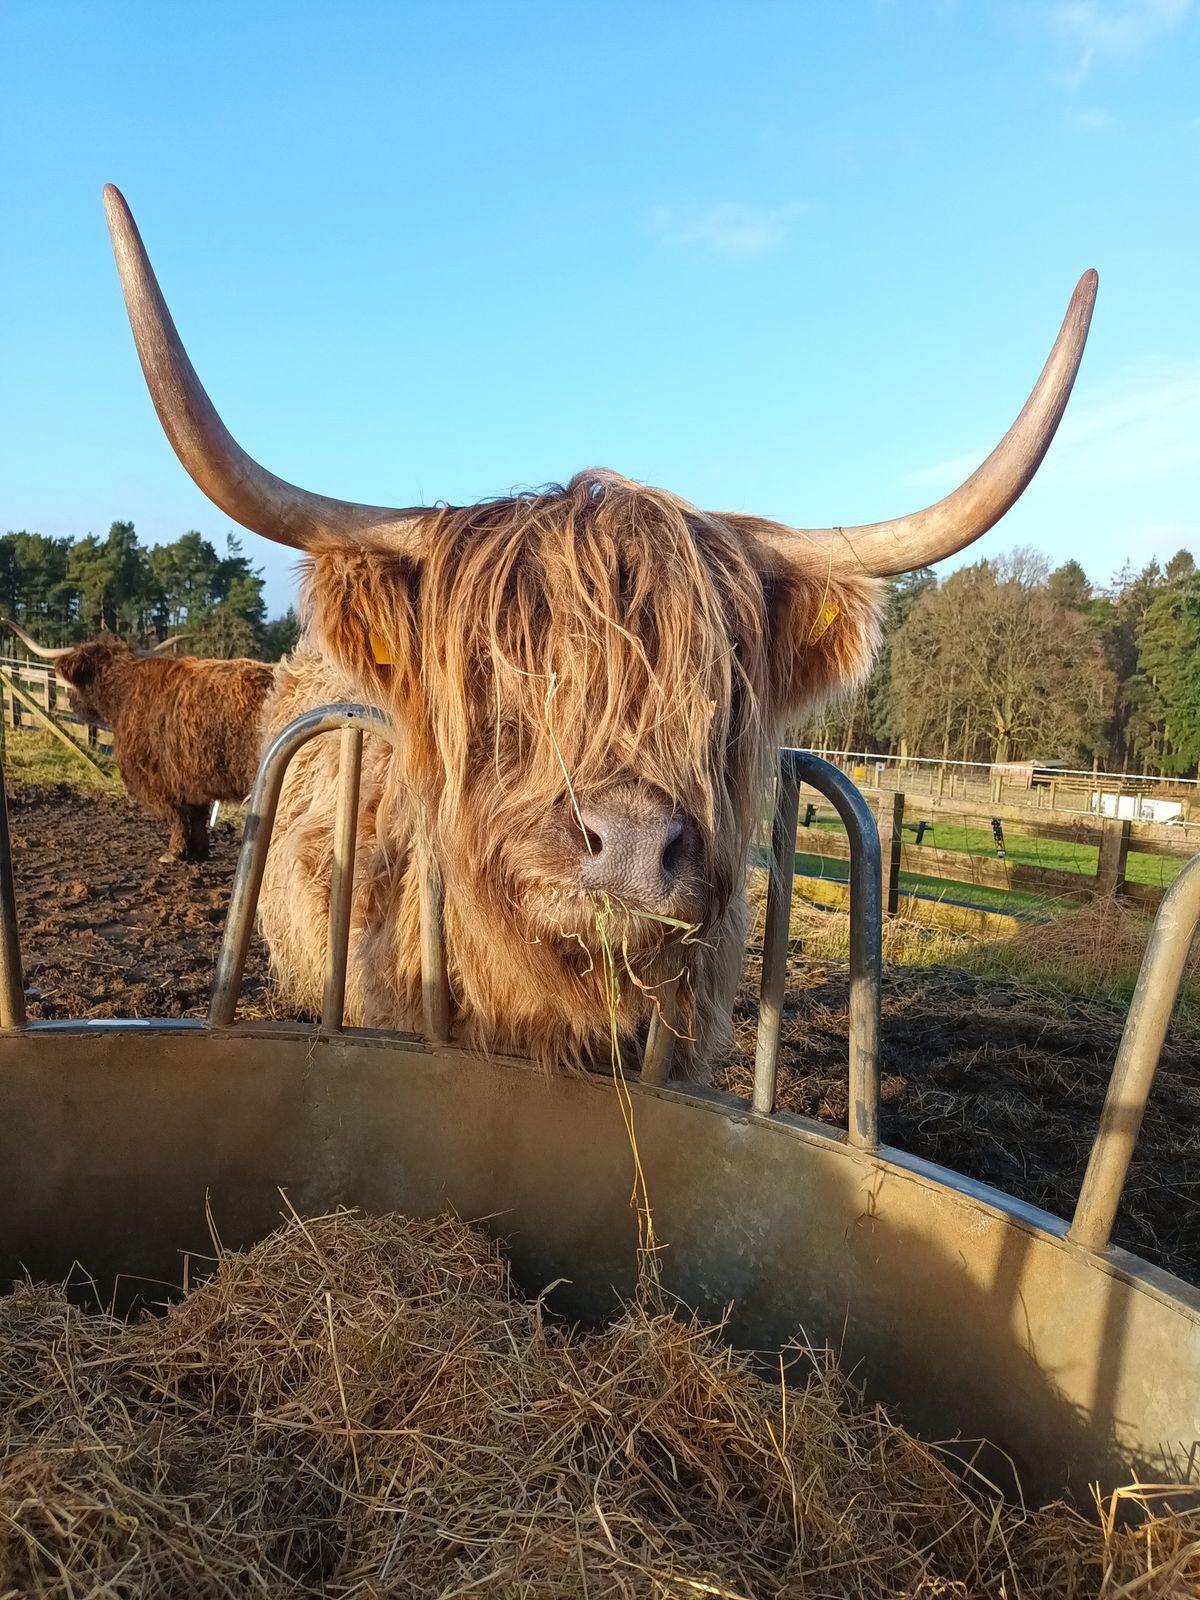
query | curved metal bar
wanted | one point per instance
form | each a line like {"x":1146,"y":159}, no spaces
{"x":661,"y":1035}
{"x":252,"y":860}
{"x":341,"y":878}
{"x":775,"y":936}
{"x":1137,"y":1060}
{"x":866,"y":938}
{"x":435,"y":990}
{"x":12,"y":988}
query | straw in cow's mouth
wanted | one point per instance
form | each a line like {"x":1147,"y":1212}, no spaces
{"x":649,"y":1281}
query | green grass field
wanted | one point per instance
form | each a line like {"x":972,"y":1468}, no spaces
{"x":966,"y":893}
{"x":1058,"y":855}
{"x":1054,"y":853}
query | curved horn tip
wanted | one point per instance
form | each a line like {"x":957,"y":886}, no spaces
{"x":31,"y":644}
{"x":116,"y":209}
{"x":885,"y":549}
{"x":119,"y":217}
{"x":1085,"y":290}
{"x":216,"y":463}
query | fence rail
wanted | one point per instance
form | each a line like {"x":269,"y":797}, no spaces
{"x":899,"y":814}
{"x":976,"y":783}
{"x":39,"y":682}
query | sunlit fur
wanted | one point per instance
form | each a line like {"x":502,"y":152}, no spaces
{"x":545,"y":649}
{"x":185,"y":732}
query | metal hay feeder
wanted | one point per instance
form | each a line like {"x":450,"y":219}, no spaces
{"x":974,"y":1314}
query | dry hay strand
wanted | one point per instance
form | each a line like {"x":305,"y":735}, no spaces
{"x":365,"y":1407}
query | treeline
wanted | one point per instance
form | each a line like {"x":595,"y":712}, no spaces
{"x":1008,"y":660}
{"x":1005,"y":660}
{"x":67,"y":590}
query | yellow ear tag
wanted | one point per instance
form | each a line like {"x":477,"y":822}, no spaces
{"x":825,"y":619}
{"x":381,"y":650}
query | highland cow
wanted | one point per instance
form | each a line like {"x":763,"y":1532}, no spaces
{"x":588,"y":686}
{"x":185,"y":732}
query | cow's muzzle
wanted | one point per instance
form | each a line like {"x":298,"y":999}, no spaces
{"x":642,"y":850}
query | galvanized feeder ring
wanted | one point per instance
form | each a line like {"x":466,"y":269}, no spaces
{"x":971,"y":1313}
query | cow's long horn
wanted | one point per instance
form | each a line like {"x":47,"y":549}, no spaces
{"x":165,"y":644}
{"x":217,"y":463}
{"x":33,"y":646}
{"x":887,"y":548}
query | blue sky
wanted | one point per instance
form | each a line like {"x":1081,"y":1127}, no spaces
{"x":802,"y":259}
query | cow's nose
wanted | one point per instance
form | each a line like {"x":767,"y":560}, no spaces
{"x":642,"y":850}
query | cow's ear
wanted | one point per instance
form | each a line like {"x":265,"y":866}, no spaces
{"x":363,"y":609}
{"x":824,"y":636}
{"x":78,"y":667}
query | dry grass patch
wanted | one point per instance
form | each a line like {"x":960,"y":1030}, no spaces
{"x":1091,"y":952}
{"x":34,"y":757}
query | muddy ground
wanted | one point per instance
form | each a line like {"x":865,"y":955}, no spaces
{"x":993,"y":1079}
{"x":105,"y":930}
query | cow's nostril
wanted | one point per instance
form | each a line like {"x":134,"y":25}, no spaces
{"x":596,"y":827}
{"x":677,"y":848}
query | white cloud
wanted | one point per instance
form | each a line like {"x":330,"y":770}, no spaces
{"x":1094,"y":31}
{"x":727,"y":228}
{"x":1093,"y":120}
{"x":1141,"y":431}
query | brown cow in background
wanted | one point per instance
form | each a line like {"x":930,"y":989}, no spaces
{"x":185,"y":732}
{"x":588,"y":685}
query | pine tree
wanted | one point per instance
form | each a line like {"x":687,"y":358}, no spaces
{"x":1166,"y":686}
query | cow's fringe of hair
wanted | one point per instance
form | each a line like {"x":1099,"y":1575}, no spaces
{"x":547,"y":646}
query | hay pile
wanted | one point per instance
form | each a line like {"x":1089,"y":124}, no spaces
{"x":363,"y":1406}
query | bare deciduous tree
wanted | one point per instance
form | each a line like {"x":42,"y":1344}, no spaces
{"x":992,"y":651}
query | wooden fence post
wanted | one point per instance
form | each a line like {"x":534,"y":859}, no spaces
{"x":891,"y":837}
{"x":1114,"y":848}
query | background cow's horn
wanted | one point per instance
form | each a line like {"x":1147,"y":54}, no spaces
{"x":37,"y":649}
{"x":214,"y":459}
{"x":887,"y":548}
{"x":165,"y":644}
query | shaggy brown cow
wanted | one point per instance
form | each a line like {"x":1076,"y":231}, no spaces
{"x":588,"y":685}
{"x":185,"y":732}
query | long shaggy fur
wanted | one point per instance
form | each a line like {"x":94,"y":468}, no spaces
{"x":185,"y":732}
{"x":549,"y":648}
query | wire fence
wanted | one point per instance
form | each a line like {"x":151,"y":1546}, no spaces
{"x":997,"y":857}
{"x":1141,"y":797}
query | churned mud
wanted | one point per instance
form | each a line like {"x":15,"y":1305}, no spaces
{"x":999,"y":1082}
{"x":105,"y":930}
{"x":990,"y":1078}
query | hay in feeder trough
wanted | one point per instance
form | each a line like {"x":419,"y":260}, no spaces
{"x":364,"y":1406}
